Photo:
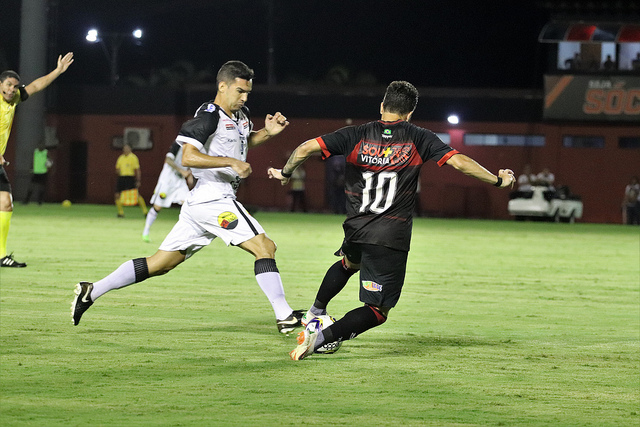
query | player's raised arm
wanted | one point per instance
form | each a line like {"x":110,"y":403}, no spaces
{"x":273,"y":125}
{"x":468,"y":166}
{"x":42,"y":82}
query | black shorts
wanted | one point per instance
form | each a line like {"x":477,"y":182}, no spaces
{"x":125,"y":183}
{"x":382,"y":272}
{"x":4,"y":180}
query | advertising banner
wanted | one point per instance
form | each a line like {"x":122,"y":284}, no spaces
{"x":592,"y":98}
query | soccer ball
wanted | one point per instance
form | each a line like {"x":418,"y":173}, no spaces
{"x":319,"y":323}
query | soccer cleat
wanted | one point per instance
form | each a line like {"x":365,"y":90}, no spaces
{"x":145,"y":237}
{"x":308,"y":317}
{"x":82,"y":301}
{"x":8,"y":261}
{"x":306,"y":344}
{"x":290,"y":323}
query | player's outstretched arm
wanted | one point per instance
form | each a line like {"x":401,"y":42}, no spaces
{"x":468,"y":166}
{"x":42,"y":82}
{"x":299,"y":155}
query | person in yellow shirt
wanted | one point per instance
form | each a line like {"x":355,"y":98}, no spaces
{"x":128,"y":171}
{"x":12,"y":94}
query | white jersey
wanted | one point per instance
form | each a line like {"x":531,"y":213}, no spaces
{"x":216,"y":134}
{"x":171,"y":187}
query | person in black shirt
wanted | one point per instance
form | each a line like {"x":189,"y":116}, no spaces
{"x":383,"y":161}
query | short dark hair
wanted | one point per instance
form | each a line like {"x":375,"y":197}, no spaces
{"x":401,"y":98}
{"x":9,"y":74}
{"x":232,"y":70}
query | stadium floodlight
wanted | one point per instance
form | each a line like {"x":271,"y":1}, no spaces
{"x":111,"y":43}
{"x":453,"y":119}
{"x":92,"y":35}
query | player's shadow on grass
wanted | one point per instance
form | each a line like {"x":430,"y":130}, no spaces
{"x":412,"y":344}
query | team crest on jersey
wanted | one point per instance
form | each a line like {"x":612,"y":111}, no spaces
{"x":210,"y":108}
{"x":228,"y":220}
{"x":371,"y":286}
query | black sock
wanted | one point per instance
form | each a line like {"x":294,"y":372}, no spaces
{"x":353,"y":324}
{"x":334,"y":281}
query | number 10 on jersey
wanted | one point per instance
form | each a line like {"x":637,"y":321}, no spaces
{"x":379,"y":191}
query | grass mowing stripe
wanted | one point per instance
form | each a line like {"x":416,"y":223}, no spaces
{"x":500,"y":323}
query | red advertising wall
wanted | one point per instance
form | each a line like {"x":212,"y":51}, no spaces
{"x":598,"y":175}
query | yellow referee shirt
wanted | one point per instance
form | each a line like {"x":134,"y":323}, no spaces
{"x":127,"y":164}
{"x":7,"y":111}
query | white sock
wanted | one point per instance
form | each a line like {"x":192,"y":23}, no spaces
{"x":271,"y":285}
{"x":151,"y":217}
{"x":124,"y":275}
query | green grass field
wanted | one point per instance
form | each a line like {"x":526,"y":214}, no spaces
{"x":500,"y":323}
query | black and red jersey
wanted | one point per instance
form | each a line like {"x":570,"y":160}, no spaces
{"x":383,"y":161}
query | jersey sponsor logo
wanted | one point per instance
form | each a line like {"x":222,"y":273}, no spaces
{"x":228,"y":220}
{"x":374,"y":154}
{"x":371,"y":286}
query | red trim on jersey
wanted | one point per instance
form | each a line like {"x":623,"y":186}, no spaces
{"x":391,"y":123}
{"x":323,"y":146}
{"x":447,"y":156}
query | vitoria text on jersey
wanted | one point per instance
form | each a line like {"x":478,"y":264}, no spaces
{"x":216,"y":134}
{"x":383,"y":161}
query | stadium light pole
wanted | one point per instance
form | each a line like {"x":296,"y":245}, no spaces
{"x":114,"y":41}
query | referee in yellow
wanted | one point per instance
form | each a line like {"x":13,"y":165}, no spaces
{"x":12,"y":94}
{"x":128,"y":171}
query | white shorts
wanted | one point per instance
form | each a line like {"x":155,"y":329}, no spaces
{"x":200,"y":223}
{"x":170,"y":189}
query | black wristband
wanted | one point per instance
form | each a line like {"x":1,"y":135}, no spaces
{"x":499,"y":183}
{"x":286,"y":175}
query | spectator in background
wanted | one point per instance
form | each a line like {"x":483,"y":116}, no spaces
{"x":546,"y":178}
{"x":635,"y":64}
{"x":41,"y":165}
{"x":574,"y":63}
{"x":297,"y":191}
{"x":526,"y":180}
{"x":335,"y":170}
{"x":128,"y":171}
{"x":631,"y":203}
{"x":609,"y":64}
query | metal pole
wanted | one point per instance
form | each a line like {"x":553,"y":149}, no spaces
{"x":30,"y":116}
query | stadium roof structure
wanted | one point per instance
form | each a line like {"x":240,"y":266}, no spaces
{"x":590,"y":32}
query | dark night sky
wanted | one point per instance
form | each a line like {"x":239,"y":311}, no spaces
{"x":443,"y":43}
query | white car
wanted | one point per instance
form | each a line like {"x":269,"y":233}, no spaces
{"x":542,"y":203}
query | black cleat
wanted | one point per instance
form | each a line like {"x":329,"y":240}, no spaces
{"x":8,"y":261}
{"x":294,"y":320}
{"x":82,"y":301}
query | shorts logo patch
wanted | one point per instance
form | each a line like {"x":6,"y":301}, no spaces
{"x":228,"y":220}
{"x":371,"y":286}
